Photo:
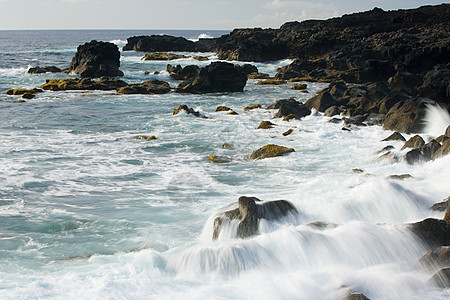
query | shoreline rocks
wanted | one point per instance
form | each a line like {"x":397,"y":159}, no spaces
{"x":270,"y":151}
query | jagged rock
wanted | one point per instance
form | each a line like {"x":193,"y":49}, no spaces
{"x":433,"y":232}
{"x":391,"y":99}
{"x":387,"y":148}
{"x":217,"y":77}
{"x":249,"y":212}
{"x":251,"y":107}
{"x":443,"y":150}
{"x":441,"y":279}
{"x":163,"y":56}
{"x":389,"y":157}
{"x":29,"y":95}
{"x":187,"y":110}
{"x":145,"y":137}
{"x":265,"y":125}
{"x":447,"y":214}
{"x":19,"y":92}
{"x":290,"y":106}
{"x":96,"y":59}
{"x":353,"y":295}
{"x":396,"y":136}
{"x":414,"y":156}
{"x":272,"y":82}
{"x":429,"y":149}
{"x":436,"y":84}
{"x":447,"y":131}
{"x":45,"y":69}
{"x":440,"y":139}
{"x":258,"y":76}
{"x":288,"y":132}
{"x":270,"y":151}
{"x":406,"y":116}
{"x":179,"y":73}
{"x":152,"y":86}
{"x":405,"y":81}
{"x":436,"y":258}
{"x":414,"y":142}
{"x":219,"y":159}
{"x":232,"y":113}
{"x":321,"y":102}
{"x":441,"y":206}
{"x":104,"y":83}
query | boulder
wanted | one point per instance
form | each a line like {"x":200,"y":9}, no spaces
{"x":228,"y":146}
{"x":104,"y":83}
{"x":436,"y":84}
{"x":433,"y":232}
{"x":149,"y":87}
{"x":187,"y":110}
{"x":269,"y":151}
{"x":258,"y":76}
{"x":414,"y":156}
{"x":272,"y":82}
{"x":96,"y":59}
{"x":290,"y":106}
{"x":414,"y":142}
{"x":436,"y":258}
{"x":443,"y":150}
{"x":291,"y":117}
{"x":406,"y":82}
{"x":396,"y":136}
{"x":288,"y":132}
{"x":247,"y":69}
{"x":232,"y":113}
{"x":441,"y":279}
{"x":332,"y":111}
{"x":441,"y":206}
{"x":321,"y":102}
{"x":300,"y":86}
{"x":217,"y":77}
{"x":45,"y":69}
{"x":250,"y":211}
{"x":145,"y":137}
{"x":20,"y":92}
{"x":429,"y":149}
{"x":179,"y":73}
{"x":265,"y":125}
{"x":390,"y":100}
{"x":406,"y":116}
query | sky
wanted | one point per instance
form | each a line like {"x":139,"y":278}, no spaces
{"x":179,"y":14}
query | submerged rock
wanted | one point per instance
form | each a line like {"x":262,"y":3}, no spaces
{"x":222,"y":108}
{"x":145,"y":137}
{"x":433,"y":232}
{"x":441,"y":279}
{"x":272,"y":82}
{"x":251,"y":107}
{"x":270,"y":151}
{"x":219,"y":159}
{"x":288,"y":132}
{"x":414,"y":156}
{"x":187,"y":110}
{"x":163,"y":56}
{"x":436,"y":258}
{"x":321,"y":102}
{"x":258,"y":76}
{"x":250,"y":211}
{"x":96,"y":59}
{"x":104,"y":83}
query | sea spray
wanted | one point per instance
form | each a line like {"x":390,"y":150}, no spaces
{"x":437,"y":119}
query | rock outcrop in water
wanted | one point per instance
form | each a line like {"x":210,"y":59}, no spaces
{"x":250,"y":211}
{"x":96,"y":59}
{"x":158,"y":43}
{"x":269,"y":151}
{"x":149,"y":87}
{"x":217,"y":77}
{"x":104,"y":83}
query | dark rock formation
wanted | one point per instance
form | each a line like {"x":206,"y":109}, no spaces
{"x":96,"y":59}
{"x":104,"y":83}
{"x":149,"y":87}
{"x":441,"y":279}
{"x":219,"y":159}
{"x":217,"y":77}
{"x":249,"y":212}
{"x":406,"y":116}
{"x":321,"y":102}
{"x":443,"y":150}
{"x":433,"y":232}
{"x":179,"y":73}
{"x":222,"y":108}
{"x":288,"y":132}
{"x":441,"y":206}
{"x":145,"y":137}
{"x":270,"y":151}
{"x":163,"y":56}
{"x":157,"y":43}
{"x":290,"y":106}
{"x":248,"y":69}
{"x":414,"y":142}
{"x":187,"y":110}
{"x":436,"y":258}
{"x":45,"y":69}
{"x":414,"y":156}
{"x":251,"y":107}
{"x":429,"y":149}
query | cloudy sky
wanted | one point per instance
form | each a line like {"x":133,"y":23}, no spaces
{"x":178,"y":14}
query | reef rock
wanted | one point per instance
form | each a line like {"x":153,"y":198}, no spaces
{"x":270,"y":151}
{"x":96,"y":59}
{"x":250,"y":211}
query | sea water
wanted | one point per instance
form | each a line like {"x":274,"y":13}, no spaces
{"x":89,"y":212}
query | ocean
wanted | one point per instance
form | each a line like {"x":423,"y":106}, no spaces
{"x":89,"y":212}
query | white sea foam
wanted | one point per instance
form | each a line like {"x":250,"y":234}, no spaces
{"x":201,"y":36}
{"x":437,"y":119}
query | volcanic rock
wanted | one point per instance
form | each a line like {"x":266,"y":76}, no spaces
{"x":45,"y":69}
{"x":104,"y":83}
{"x":149,"y":87}
{"x":96,"y":59}
{"x":179,"y":73}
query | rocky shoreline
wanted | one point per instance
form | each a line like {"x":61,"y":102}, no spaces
{"x":383,"y":68}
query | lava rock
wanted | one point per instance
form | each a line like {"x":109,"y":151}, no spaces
{"x":96,"y":59}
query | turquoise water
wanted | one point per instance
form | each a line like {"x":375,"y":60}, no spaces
{"x":87,"y":211}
